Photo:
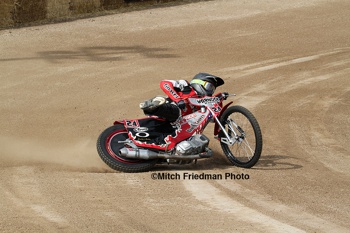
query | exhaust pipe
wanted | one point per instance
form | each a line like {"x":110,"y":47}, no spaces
{"x":138,"y":153}
{"x":148,"y":154}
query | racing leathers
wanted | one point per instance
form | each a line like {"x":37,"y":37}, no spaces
{"x":175,"y":105}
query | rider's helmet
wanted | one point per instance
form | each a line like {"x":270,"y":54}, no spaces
{"x":205,"y":84}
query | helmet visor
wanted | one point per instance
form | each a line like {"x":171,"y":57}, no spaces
{"x":209,"y":87}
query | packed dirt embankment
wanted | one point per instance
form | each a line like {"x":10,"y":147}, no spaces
{"x":62,"y":84}
{"x":16,"y":13}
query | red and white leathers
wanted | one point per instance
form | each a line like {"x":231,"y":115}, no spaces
{"x":179,"y":91}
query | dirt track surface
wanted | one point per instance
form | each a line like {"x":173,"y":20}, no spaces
{"x":61,"y":85}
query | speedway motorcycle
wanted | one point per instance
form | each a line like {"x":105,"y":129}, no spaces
{"x":137,"y":145}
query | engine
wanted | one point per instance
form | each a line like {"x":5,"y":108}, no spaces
{"x":194,"y":145}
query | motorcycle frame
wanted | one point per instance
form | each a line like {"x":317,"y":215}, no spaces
{"x":218,"y":126}
{"x":203,"y":123}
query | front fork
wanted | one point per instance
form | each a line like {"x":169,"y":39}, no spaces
{"x":227,"y":140}
{"x":232,"y":126}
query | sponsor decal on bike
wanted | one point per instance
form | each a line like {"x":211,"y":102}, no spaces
{"x":142,"y":135}
{"x":208,"y":100}
{"x":192,"y":115}
{"x":132,"y":123}
{"x":141,"y":129}
{"x":216,"y":109}
{"x":195,"y":124}
{"x":198,"y":120}
{"x":172,"y":92}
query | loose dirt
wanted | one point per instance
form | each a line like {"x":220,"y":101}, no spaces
{"x":62,"y":84}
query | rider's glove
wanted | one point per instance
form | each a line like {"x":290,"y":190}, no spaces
{"x":181,"y":104}
{"x":225,"y":95}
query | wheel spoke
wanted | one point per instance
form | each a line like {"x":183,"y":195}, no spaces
{"x":245,"y":141}
{"x":242,"y":126}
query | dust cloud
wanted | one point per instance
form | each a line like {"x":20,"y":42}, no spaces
{"x":79,"y":156}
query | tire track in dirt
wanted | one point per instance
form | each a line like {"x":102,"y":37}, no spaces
{"x":227,"y":195}
{"x":15,"y":191}
{"x":263,"y":90}
{"x":82,"y":204}
{"x":247,"y":205}
{"x":220,"y":201}
{"x":329,"y":76}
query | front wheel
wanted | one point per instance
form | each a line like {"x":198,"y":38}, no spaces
{"x":108,"y":145}
{"x":244,"y":131}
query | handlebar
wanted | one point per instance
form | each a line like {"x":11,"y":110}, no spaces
{"x":225,"y":95}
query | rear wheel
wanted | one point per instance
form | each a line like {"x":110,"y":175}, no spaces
{"x":108,"y":146}
{"x":244,"y":130}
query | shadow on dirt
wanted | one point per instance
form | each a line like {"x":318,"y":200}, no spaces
{"x":218,"y":162}
{"x":100,"y":54}
{"x":276,"y":162}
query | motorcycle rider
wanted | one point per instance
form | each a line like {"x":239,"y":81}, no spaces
{"x":176,"y":105}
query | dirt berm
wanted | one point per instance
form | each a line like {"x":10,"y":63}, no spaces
{"x":19,"y":13}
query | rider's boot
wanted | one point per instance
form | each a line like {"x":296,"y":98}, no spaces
{"x":168,"y":111}
{"x":158,"y":106}
{"x":153,"y":103}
